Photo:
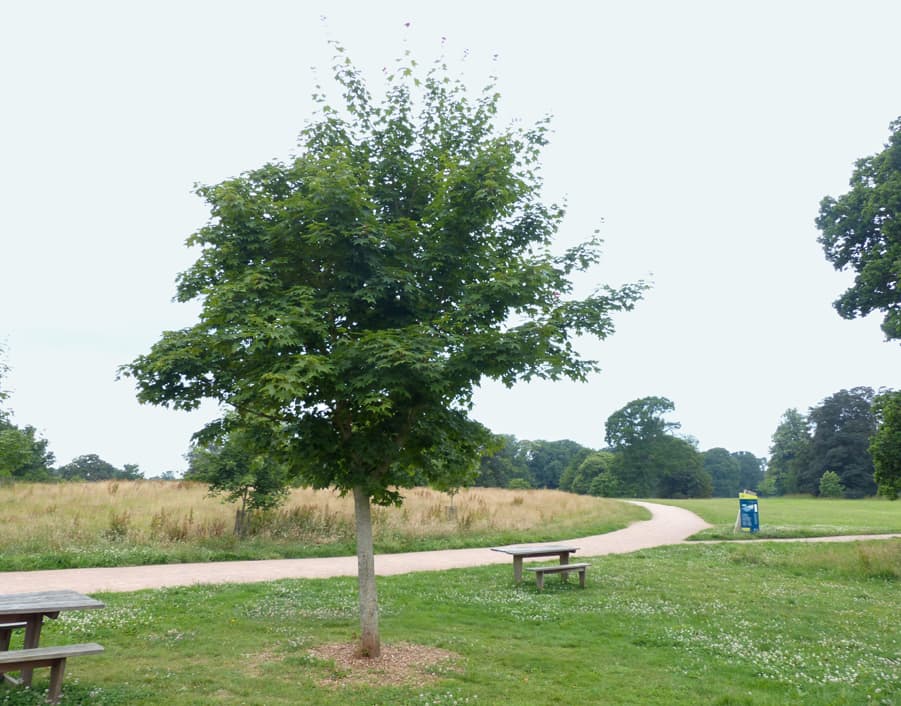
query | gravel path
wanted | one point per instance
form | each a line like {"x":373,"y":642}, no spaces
{"x":668,"y":525}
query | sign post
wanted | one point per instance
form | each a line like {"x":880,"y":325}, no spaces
{"x":748,"y":512}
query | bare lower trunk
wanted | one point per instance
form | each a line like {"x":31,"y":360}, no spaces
{"x":370,"y":645}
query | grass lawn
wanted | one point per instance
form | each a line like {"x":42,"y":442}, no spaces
{"x":722,"y":624}
{"x":797,"y":517}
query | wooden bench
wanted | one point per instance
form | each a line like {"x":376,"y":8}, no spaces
{"x":6,"y":633}
{"x":53,"y":657}
{"x":564,"y":569}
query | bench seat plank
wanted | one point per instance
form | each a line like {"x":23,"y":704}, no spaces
{"x":37,"y":654}
{"x":53,"y":657}
{"x":557,"y":568}
{"x":564,"y":569}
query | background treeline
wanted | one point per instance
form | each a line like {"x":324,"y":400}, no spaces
{"x":643,"y":458}
{"x":849,"y":446}
{"x":24,"y":456}
{"x":830,"y":450}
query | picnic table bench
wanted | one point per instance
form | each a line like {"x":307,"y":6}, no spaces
{"x":53,"y":657}
{"x":27,"y":611}
{"x":529,"y":551}
{"x":563,"y":569}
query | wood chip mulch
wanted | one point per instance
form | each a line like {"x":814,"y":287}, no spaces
{"x":400,"y":664}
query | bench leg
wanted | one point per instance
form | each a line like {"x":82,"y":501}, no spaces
{"x":517,"y":569}
{"x":564,"y":559}
{"x":539,"y":580}
{"x":582,"y":578}
{"x":4,"y":646}
{"x":32,"y":638}
{"x":57,"y":672}
{"x":5,"y":638}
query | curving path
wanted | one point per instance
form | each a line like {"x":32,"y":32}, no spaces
{"x":668,"y":525}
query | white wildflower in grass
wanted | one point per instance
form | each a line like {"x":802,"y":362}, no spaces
{"x":283,"y":601}
{"x":446,"y":698}
{"x":118,"y":620}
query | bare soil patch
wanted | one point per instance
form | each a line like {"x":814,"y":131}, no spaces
{"x":400,"y":664}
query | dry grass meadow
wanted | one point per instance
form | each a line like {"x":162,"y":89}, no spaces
{"x":107,"y":523}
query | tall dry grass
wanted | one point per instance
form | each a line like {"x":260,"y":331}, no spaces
{"x":58,"y":517}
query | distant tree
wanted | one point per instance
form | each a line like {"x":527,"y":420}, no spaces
{"x":15,"y":450}
{"x":638,"y":421}
{"x":547,"y":460}
{"x":34,"y":460}
{"x":90,"y":467}
{"x":750,"y":469}
{"x":789,"y":453}
{"x":861,"y":230}
{"x":725,"y":472}
{"x":682,"y":471}
{"x":885,"y":444}
{"x":594,"y":465}
{"x":131,"y":471}
{"x":831,"y":485}
{"x":842,"y":426}
{"x":606,"y":483}
{"x":354,"y":296}
{"x":568,"y":476}
{"x":631,"y":433}
{"x":239,"y":467}
{"x":503,"y":460}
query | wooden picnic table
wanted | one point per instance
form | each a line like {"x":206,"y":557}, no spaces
{"x":32,"y":608}
{"x":527,"y":552}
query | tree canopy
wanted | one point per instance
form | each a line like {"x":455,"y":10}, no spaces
{"x":750,"y":469}
{"x":842,"y":426}
{"x":789,"y":453}
{"x":590,"y":475}
{"x":539,"y":464}
{"x":885,"y":444}
{"x":90,"y":467}
{"x":631,"y":432}
{"x":548,"y":460}
{"x":861,"y":230}
{"x":681,"y":469}
{"x":503,"y":461}
{"x":725,"y":472}
{"x":239,"y":467}
{"x":834,"y":436}
{"x":639,"y":420}
{"x":24,"y":455}
{"x":353,"y":296}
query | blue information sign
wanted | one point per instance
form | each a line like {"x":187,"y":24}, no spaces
{"x":748,"y":512}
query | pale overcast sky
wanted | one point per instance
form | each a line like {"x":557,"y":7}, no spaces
{"x":699,"y":136}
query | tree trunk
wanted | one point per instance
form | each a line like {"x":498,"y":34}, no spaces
{"x":370,"y":645}
{"x":241,"y":516}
